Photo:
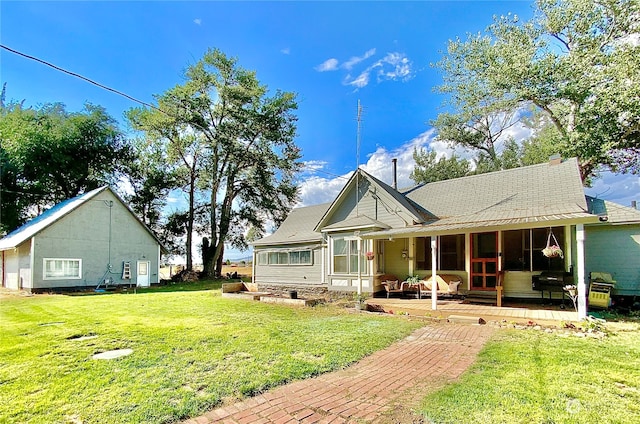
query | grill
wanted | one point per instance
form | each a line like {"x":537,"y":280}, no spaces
{"x":551,"y":281}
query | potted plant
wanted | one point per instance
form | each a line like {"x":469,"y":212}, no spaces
{"x":553,"y":251}
{"x":370,"y":255}
{"x":361,"y":301}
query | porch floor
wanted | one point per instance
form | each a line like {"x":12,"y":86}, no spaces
{"x":448,"y":307}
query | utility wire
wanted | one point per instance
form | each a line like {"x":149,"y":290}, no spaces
{"x":90,"y":81}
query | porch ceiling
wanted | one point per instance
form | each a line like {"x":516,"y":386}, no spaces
{"x":461,"y":223}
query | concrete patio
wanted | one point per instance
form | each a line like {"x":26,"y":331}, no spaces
{"x":448,"y":308}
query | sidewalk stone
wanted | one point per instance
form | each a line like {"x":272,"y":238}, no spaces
{"x":427,"y":359}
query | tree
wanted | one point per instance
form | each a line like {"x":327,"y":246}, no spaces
{"x":429,"y":169}
{"x":183,"y":151}
{"x":246,"y":148}
{"x":51,"y":155}
{"x":576,"y":62}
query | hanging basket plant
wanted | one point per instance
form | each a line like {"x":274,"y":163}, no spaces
{"x":552,"y":250}
{"x":370,"y":255}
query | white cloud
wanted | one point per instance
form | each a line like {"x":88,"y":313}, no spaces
{"x":197,"y":21}
{"x":328,"y":65}
{"x":286,"y":50}
{"x":357,"y":59}
{"x":618,"y":188}
{"x":318,"y":189}
{"x":360,"y":81}
{"x":394,"y":66}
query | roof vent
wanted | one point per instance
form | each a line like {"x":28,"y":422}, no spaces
{"x":634,"y":204}
{"x":555,"y":159}
{"x":394,"y":161}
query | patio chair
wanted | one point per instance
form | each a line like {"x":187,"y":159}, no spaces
{"x":393,"y":286}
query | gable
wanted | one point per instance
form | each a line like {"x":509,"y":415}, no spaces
{"x":62,"y":210}
{"x":363,"y":200}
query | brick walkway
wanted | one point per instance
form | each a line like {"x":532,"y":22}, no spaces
{"x":401,"y":374}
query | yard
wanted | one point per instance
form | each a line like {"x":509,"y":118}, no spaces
{"x":192,"y":350}
{"x":535,"y":377}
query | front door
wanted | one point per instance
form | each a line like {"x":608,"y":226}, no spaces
{"x":484,"y":261}
{"x":143,"y":274}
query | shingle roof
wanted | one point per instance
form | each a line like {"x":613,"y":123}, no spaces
{"x":531,"y":191}
{"x":531,"y":195}
{"x":298,"y":227}
{"x":42,"y":221}
{"x":615,"y":213}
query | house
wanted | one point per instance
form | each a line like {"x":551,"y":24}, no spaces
{"x":79,"y":244}
{"x":487,"y":229}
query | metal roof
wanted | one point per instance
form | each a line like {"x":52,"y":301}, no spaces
{"x":50,"y":216}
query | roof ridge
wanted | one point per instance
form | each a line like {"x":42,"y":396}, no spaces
{"x":518,"y":168}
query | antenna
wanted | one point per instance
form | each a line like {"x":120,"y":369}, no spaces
{"x":359,"y":119}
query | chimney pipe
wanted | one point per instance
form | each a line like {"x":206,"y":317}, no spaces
{"x":634,"y":204}
{"x":394,"y":162}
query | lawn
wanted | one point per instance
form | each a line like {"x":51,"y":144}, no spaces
{"x":535,"y":377}
{"x":192,"y":350}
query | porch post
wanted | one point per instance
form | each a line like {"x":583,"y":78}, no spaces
{"x":359,"y":247}
{"x":582,"y":287}
{"x":434,"y":282}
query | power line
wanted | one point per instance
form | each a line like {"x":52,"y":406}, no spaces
{"x":90,"y":81}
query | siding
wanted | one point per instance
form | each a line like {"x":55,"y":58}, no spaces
{"x":381,"y":208}
{"x":393,"y":261}
{"x":290,"y":274}
{"x":98,"y":235}
{"x":615,"y":249}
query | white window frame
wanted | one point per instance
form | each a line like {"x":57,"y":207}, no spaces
{"x":351,"y":252}
{"x":280,"y":254}
{"x":64,"y":261}
{"x":299,"y":252}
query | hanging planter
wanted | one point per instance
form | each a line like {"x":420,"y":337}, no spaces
{"x":370,"y":255}
{"x":552,"y":250}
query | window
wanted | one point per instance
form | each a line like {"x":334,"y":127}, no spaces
{"x":62,"y":269}
{"x":451,"y":253}
{"x":278,"y":258}
{"x":345,"y":256}
{"x":423,"y":252}
{"x":296,"y":257}
{"x":300,"y":257}
{"x":522,"y":250}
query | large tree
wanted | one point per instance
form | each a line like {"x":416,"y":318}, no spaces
{"x":245,"y":136}
{"x":575,"y":61}
{"x":49,"y":155}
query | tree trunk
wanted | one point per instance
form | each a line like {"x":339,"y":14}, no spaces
{"x":219,"y":262}
{"x":190,"y":219}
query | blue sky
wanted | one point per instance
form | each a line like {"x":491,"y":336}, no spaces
{"x":331,"y":53}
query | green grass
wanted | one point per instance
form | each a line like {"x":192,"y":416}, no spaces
{"x":192,"y":350}
{"x":534,"y":377}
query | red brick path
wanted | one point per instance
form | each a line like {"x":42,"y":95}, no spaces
{"x":425,"y":360}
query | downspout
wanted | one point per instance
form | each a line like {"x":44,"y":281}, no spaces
{"x":253,"y":266}
{"x":4,"y":283}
